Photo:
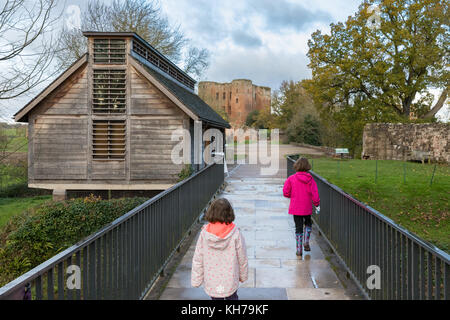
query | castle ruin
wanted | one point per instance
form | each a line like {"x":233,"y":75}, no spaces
{"x":236,"y":99}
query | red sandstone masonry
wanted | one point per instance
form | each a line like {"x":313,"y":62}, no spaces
{"x":237,"y":98}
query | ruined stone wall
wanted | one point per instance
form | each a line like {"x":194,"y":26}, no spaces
{"x":237,"y":98}
{"x":393,"y":141}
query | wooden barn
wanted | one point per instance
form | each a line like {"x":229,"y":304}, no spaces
{"x":106,"y":123}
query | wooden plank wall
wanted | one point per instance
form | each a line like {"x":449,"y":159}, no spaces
{"x":153,"y":119}
{"x":70,"y":98}
{"x":59,"y":133}
{"x":60,"y":148}
{"x":60,"y":143}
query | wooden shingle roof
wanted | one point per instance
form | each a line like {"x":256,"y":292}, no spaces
{"x":186,"y":97}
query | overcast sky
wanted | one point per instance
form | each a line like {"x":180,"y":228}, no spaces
{"x":261,"y":40}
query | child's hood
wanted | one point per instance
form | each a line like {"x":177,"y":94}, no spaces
{"x":217,"y":242}
{"x":303,"y":177}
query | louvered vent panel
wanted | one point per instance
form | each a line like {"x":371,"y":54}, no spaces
{"x":109,"y":51}
{"x":109,"y":91}
{"x":109,"y":139}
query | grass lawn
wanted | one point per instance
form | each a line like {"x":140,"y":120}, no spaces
{"x":19,"y":142}
{"x":413,"y":203}
{"x":12,"y":206}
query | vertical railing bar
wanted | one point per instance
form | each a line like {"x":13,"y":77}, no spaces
{"x":70,"y":292}
{"x":129,"y":275}
{"x":92,"y":278}
{"x":137,"y":245}
{"x":379,"y":254}
{"x":404,"y":271}
{"x":385,"y":271}
{"x":446,"y":281}
{"x":98,"y":270}
{"x":61,"y":286}
{"x":410,"y":271}
{"x":415,"y":275}
{"x":388,"y":262}
{"x":50,"y":285}
{"x":141,"y":258}
{"x":107,"y":263}
{"x":430,"y":276}
{"x":113,"y":253}
{"x":38,"y":286}
{"x":422,"y":273}
{"x":437,"y":267}
{"x":78,"y":263}
{"x":85,"y":274}
{"x":398,"y":263}
{"x":121,"y":263}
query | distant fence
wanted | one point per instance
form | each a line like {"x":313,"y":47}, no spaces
{"x":362,"y":237}
{"x":123,"y":260}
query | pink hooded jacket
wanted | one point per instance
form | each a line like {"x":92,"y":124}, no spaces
{"x":220,"y":263}
{"x":302,"y":190}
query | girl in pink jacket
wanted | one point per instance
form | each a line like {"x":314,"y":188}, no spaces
{"x":302,"y":190}
{"x":220,"y":258}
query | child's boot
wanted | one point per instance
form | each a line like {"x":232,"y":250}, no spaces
{"x":299,"y":239}
{"x":307,"y":236}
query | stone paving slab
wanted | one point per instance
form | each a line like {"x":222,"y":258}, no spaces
{"x":244,"y":294}
{"x":315,"y":294}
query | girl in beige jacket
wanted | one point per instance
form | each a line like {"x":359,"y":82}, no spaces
{"x":220,"y":258}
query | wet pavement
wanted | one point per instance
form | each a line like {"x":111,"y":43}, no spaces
{"x":275,"y":272}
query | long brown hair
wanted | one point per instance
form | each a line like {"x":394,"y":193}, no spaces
{"x":302,"y":165}
{"x":220,"y":211}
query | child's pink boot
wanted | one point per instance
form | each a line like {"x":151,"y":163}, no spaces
{"x":299,"y":239}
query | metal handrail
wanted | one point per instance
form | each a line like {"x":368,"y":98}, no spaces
{"x":215,"y":169}
{"x":386,"y":233}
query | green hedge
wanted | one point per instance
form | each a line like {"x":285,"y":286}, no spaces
{"x":21,"y":190}
{"x":39,"y":233}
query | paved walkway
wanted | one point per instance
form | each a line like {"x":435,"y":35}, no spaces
{"x":275,"y":272}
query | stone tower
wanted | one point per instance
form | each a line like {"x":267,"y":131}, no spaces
{"x":236,"y":99}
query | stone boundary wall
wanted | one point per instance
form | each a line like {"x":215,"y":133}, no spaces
{"x":407,"y":142}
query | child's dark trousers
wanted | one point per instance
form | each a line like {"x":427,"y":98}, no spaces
{"x":300,"y":221}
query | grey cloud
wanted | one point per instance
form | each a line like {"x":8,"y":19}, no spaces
{"x":244,"y":39}
{"x":281,"y":14}
{"x":206,"y":20}
{"x":263,"y":67}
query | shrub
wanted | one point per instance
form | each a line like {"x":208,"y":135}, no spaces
{"x":251,"y":118}
{"x":306,"y":130}
{"x":38,"y":234}
{"x":21,"y":190}
{"x":185,"y":173}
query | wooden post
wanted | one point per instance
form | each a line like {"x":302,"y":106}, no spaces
{"x":404,"y":172}
{"x":432,"y":177}
{"x":376,"y":170}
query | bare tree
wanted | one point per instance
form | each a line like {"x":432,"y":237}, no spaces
{"x":5,"y":139}
{"x":25,"y":52}
{"x":197,"y":61}
{"x":141,"y":16}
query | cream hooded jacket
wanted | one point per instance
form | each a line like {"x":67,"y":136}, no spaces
{"x":220,"y":263}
